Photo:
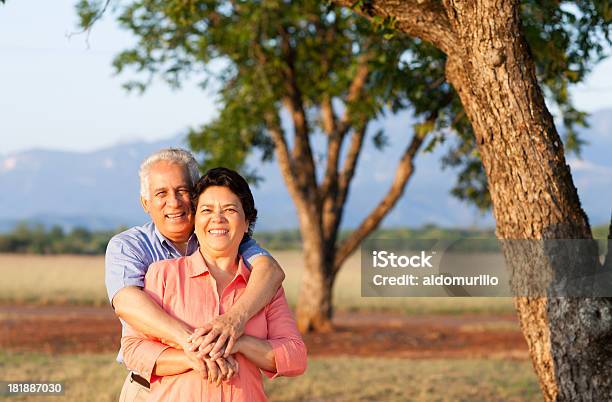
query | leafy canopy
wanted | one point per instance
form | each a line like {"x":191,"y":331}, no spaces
{"x":256,"y":54}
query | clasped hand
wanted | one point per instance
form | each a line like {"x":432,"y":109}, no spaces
{"x":210,"y":348}
{"x":214,"y":371}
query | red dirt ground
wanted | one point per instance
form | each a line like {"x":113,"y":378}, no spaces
{"x":69,"y":329}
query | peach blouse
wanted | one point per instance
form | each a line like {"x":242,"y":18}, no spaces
{"x":185,"y":289}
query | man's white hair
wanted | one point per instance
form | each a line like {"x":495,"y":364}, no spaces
{"x":179,"y":156}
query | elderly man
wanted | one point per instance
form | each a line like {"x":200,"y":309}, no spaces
{"x":166,"y":180}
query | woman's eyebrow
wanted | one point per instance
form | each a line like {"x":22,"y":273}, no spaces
{"x":211,"y":204}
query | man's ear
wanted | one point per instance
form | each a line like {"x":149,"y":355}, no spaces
{"x":145,"y":204}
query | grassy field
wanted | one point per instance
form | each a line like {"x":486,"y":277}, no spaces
{"x":52,"y":280}
{"x":48,"y":280}
{"x":99,"y":378}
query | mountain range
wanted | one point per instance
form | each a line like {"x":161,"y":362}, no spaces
{"x":100,"y":189}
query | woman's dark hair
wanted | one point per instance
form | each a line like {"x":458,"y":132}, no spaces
{"x":224,"y":177}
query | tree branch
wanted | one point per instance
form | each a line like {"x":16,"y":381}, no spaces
{"x":348,"y":168}
{"x":285,"y":162}
{"x":330,"y":179}
{"x":302,"y":152}
{"x":87,"y":27}
{"x":425,"y":19}
{"x":355,"y":91}
{"x":404,"y":171}
{"x":333,"y":202}
{"x":334,"y":143}
{"x":328,"y":117}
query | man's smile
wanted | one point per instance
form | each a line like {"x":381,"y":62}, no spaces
{"x":175,"y":216}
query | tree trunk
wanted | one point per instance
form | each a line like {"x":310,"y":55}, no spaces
{"x":490,"y":66}
{"x":532,"y":192}
{"x":314,"y":309}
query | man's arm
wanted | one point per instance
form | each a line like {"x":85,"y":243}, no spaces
{"x":146,"y":354}
{"x":265,"y":280}
{"x":126,"y":263}
{"x":135,"y":307}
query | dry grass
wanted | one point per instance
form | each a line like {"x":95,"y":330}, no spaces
{"x":99,"y":378}
{"x":52,"y":279}
{"x":80,"y":280}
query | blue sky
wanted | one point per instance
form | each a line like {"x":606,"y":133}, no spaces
{"x":60,"y":93}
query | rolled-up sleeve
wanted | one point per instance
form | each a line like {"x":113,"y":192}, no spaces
{"x":250,"y":250}
{"x":140,"y":353}
{"x":287,"y":344}
{"x":124,"y":266}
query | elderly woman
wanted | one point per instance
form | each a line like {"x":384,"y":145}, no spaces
{"x":204,"y":285}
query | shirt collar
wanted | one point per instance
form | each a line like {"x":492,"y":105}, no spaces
{"x":163,"y":240}
{"x":196,"y":266}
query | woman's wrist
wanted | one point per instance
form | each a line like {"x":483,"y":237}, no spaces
{"x":239,"y":346}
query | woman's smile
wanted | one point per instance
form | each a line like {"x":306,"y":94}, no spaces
{"x":218,"y":232}
{"x":220,"y":222}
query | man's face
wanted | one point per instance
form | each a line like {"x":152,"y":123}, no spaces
{"x":168,"y":201}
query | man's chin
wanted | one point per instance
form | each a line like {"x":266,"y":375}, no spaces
{"x":184,"y":227}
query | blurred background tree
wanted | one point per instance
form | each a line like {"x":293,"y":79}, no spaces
{"x":303,"y":80}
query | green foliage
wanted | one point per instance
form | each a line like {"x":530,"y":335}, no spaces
{"x":292,"y":240}
{"x":260,"y":54}
{"x":35,"y":239}
{"x":263,"y":54}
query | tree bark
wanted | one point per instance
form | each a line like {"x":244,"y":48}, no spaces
{"x":314,"y":312}
{"x":532,"y":192}
{"x":314,"y":309}
{"x":490,"y":66}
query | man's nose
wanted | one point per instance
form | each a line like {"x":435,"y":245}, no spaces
{"x":174,"y":199}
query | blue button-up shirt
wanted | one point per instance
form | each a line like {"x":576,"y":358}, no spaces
{"x":129,"y":254}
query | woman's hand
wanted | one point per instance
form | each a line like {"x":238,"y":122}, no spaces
{"x":196,"y":363}
{"x":221,"y":369}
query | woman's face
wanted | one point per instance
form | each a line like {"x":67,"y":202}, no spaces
{"x":220,"y":222}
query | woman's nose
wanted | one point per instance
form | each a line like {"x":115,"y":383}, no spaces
{"x":218,"y":215}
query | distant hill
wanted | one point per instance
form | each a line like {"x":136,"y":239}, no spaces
{"x":100,"y":190}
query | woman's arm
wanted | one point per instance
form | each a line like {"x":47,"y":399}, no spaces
{"x":140,"y":353}
{"x":258,"y":351}
{"x":173,"y":361}
{"x":285,"y":339}
{"x":150,"y":358}
{"x":283,"y":352}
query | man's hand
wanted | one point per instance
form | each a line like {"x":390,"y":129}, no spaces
{"x":217,"y":338}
